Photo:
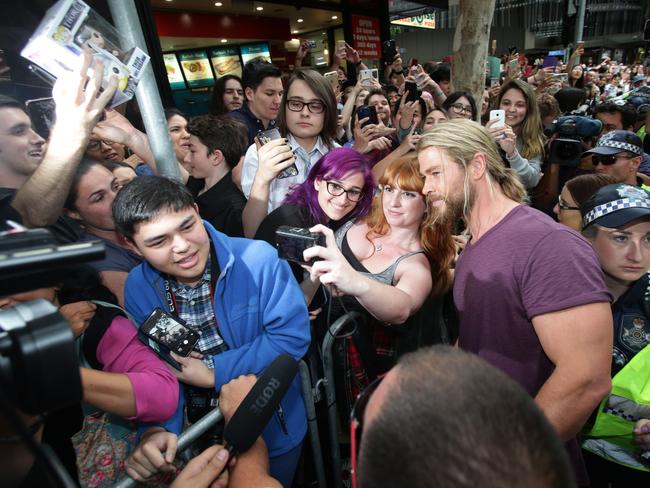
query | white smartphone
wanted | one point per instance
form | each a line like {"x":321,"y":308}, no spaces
{"x":500,"y":116}
{"x":332,"y":77}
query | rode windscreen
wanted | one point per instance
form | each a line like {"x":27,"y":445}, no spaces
{"x":257,"y":408}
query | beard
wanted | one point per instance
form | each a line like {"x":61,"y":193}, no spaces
{"x":455,"y":208}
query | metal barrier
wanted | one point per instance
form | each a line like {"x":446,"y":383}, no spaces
{"x":309,"y":392}
{"x":184,"y":440}
{"x":330,"y":393}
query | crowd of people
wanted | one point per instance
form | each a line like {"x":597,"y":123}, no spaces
{"x":512,"y":231}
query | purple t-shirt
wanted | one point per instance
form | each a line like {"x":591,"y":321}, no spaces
{"x":526,"y":265}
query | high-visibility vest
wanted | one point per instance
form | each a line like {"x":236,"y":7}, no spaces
{"x":611,"y":435}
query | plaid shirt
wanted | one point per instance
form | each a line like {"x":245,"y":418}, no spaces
{"x":194,"y":306}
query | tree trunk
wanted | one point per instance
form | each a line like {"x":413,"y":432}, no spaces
{"x":471,"y":41}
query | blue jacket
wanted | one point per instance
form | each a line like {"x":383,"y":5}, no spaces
{"x":261,"y":313}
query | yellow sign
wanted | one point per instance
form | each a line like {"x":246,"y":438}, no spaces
{"x":426,"y":21}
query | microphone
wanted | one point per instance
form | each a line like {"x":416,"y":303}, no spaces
{"x":256,"y":409}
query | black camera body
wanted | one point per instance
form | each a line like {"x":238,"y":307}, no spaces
{"x":39,"y":369}
{"x":291,"y":242}
{"x":572,"y":130}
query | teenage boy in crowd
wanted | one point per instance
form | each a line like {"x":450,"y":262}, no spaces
{"x":236,"y":293}
{"x":529,"y":292}
{"x":215,"y":146}
{"x":263,"y":90}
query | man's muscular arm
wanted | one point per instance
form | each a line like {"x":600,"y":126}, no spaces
{"x":579,"y":342}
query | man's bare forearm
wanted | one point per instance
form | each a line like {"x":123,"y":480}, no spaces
{"x":568,"y":402}
{"x":40,"y":200}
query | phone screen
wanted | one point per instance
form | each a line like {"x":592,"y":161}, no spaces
{"x":164,"y":329}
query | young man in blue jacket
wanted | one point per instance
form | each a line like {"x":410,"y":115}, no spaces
{"x":237,"y":293}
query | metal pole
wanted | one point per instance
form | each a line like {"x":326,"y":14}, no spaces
{"x":580,"y":26}
{"x":184,"y":440}
{"x":127,"y":23}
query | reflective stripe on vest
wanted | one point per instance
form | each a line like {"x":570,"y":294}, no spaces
{"x":611,"y":434}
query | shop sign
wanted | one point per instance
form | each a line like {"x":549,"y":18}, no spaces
{"x":196,"y":68}
{"x":174,"y":75}
{"x":365,"y":35}
{"x":426,"y":21}
{"x":225,"y":61}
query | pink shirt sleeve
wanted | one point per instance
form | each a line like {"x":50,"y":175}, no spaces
{"x":155,"y":387}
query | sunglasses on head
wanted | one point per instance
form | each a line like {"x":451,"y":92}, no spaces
{"x":356,"y":424}
{"x":608,"y":159}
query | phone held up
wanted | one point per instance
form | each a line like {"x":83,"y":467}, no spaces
{"x":266,"y":136}
{"x":499,"y":116}
{"x":369,"y":112}
{"x":389,"y":51}
{"x":411,"y":90}
{"x":291,"y":242}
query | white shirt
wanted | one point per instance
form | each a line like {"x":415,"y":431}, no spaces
{"x":280,"y":187}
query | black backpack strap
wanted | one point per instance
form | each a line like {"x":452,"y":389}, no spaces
{"x":100,"y":322}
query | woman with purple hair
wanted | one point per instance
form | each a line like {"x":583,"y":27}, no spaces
{"x":338,"y":188}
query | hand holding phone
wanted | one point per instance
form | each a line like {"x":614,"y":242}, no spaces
{"x":275,"y":157}
{"x":369,"y":112}
{"x":499,"y":116}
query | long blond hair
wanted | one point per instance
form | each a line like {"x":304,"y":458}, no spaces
{"x":462,"y":139}
{"x":436,"y":240}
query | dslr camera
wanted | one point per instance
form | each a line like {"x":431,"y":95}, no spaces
{"x":572,"y":131}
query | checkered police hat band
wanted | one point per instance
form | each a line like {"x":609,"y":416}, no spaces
{"x":613,"y":206}
{"x":623,"y":146}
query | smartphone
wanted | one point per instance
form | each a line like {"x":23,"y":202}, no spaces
{"x":494,"y":82}
{"x":266,"y":136}
{"x":374,"y":72}
{"x":580,"y":45}
{"x":367,"y":111}
{"x":340,"y":44}
{"x":164,"y":333}
{"x":563,"y":77}
{"x":411,"y":91}
{"x":417,"y":131}
{"x":333,"y":78}
{"x":499,"y":115}
{"x":292,"y":241}
{"x":365,"y":75}
{"x":42,"y":111}
{"x":512,"y":49}
{"x":414,"y":62}
{"x":389,"y":51}
{"x":310,"y":44}
{"x":514,"y":65}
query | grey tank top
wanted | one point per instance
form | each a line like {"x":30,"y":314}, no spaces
{"x":386,"y":276}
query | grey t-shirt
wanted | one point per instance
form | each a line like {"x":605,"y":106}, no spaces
{"x":526,"y":265}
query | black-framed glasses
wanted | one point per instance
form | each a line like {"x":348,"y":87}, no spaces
{"x":356,"y":424}
{"x":608,"y":159}
{"x":336,"y":190}
{"x":95,"y":144}
{"x":563,"y":205}
{"x":459,"y":108}
{"x":315,"y":106}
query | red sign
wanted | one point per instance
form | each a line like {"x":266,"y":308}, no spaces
{"x":365,"y":35}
